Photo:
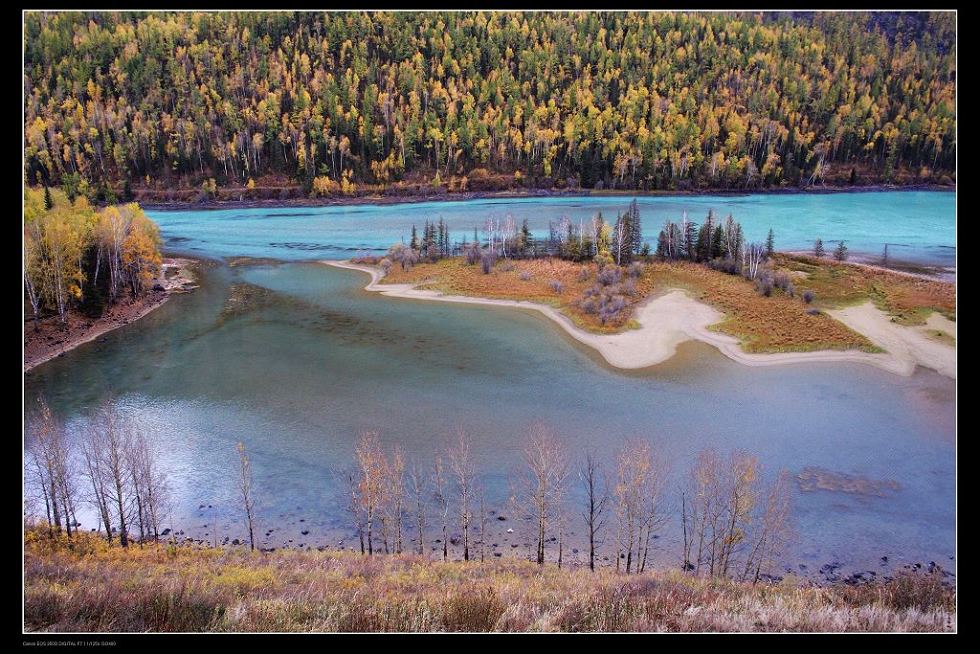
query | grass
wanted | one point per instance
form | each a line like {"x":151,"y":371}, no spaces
{"x":779,"y":323}
{"x":89,"y":586}
{"x":907,"y":298}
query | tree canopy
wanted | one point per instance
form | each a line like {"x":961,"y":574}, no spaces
{"x":618,"y":99}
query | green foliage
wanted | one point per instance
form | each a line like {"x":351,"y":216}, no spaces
{"x":610,"y":99}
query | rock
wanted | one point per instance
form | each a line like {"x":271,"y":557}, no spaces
{"x":305,"y":532}
{"x":501,"y":518}
{"x":236,"y":542}
{"x":497,"y":554}
{"x":158,"y":287}
{"x":510,"y":531}
{"x":574,"y":551}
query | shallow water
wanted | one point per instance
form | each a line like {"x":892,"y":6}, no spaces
{"x":917,"y":226}
{"x":295,"y":359}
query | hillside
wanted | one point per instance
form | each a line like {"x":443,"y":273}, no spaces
{"x":89,"y":586}
{"x":185,"y":106}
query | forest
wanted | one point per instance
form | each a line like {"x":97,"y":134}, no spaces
{"x":347,"y":103}
{"x":77,"y":258}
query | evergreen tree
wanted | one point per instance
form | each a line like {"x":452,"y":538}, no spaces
{"x":527,"y":239}
{"x":690,"y":240}
{"x":818,"y":250}
{"x":635,"y":227}
{"x":717,"y":242}
{"x":840,"y":253}
{"x":884,"y":256}
{"x":770,"y":243}
{"x":48,"y":202}
{"x":414,"y":243}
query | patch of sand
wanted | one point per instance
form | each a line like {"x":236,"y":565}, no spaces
{"x":674,"y":317}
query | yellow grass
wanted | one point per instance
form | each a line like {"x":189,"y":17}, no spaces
{"x":85,"y":585}
{"x":779,"y":323}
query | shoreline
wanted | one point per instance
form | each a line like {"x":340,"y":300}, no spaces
{"x":668,"y":319}
{"x":457,"y":196}
{"x":87,"y":330}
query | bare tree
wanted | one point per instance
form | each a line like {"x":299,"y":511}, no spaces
{"x":773,"y":528}
{"x":354,"y":504}
{"x":371,"y":460}
{"x":542,"y":484}
{"x":396,"y":495}
{"x":739,"y":499}
{"x":245,"y":492}
{"x":483,"y":523}
{"x":638,"y":493}
{"x":442,"y":502}
{"x":93,"y":457}
{"x":47,"y":452}
{"x":461,"y":463}
{"x":596,"y":500}
{"x":419,"y":487}
{"x":115,"y":438}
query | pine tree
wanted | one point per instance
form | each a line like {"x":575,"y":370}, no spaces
{"x":717,"y":242}
{"x":635,"y":227}
{"x":414,"y":244}
{"x":818,"y":250}
{"x":770,"y":242}
{"x":48,"y":202}
{"x":527,"y":239}
{"x":884,"y":256}
{"x":840,"y":253}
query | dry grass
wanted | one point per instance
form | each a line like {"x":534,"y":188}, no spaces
{"x":779,"y":323}
{"x":763,"y":324}
{"x":92,"y":587}
{"x":453,"y":276}
{"x":909,"y":299}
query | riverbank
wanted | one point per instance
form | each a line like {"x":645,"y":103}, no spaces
{"x":461,"y":196}
{"x":52,"y":339}
{"x":672,"y":317}
{"x":90,"y":586}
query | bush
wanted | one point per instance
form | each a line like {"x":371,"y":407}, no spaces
{"x":635,"y":270}
{"x":729,"y":266}
{"x":608,"y":275}
{"x":472,"y":254}
{"x":524,"y":276}
{"x":486,"y":262}
{"x":764,"y":285}
{"x":385,"y":265}
{"x":605,"y":301}
{"x":813,"y":312}
{"x":556,"y":286}
{"x":808,"y":296}
{"x":506,"y":266}
{"x":584,"y":275}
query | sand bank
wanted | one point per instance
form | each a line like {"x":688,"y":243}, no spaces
{"x":674,"y":317}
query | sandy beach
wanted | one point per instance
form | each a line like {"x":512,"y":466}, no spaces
{"x":674,"y":317}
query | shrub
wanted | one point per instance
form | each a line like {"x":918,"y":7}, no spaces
{"x":808,"y":297}
{"x":584,"y":275}
{"x":472,"y":254}
{"x":764,"y":285}
{"x":385,"y":265}
{"x":813,"y":312}
{"x":506,"y":266}
{"x":729,"y":266}
{"x":608,"y":275}
{"x":486,"y":262}
{"x":556,"y":286}
{"x":635,"y":270}
{"x":524,"y":276}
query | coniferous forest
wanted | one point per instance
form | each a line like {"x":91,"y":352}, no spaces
{"x":343,"y":103}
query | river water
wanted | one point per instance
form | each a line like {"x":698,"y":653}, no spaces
{"x":294,"y":359}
